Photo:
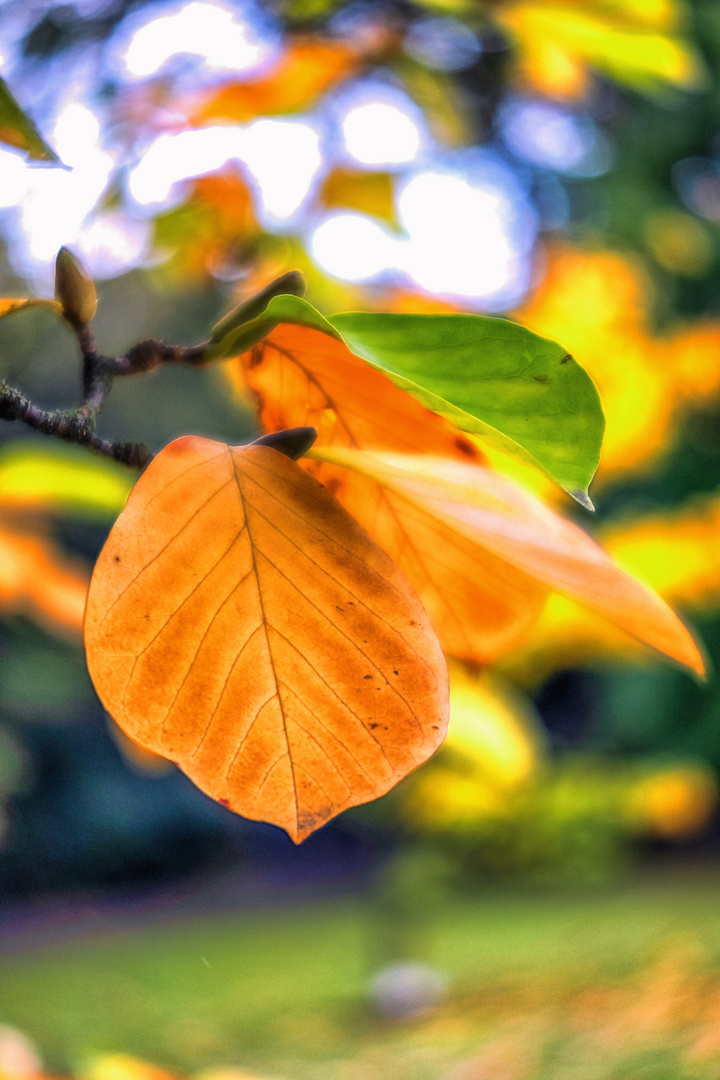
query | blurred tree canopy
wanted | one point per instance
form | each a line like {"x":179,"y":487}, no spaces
{"x":554,"y":162}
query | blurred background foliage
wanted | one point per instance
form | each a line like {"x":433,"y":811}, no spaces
{"x":554,"y":162}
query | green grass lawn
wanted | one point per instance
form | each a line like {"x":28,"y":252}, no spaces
{"x":619,"y":984}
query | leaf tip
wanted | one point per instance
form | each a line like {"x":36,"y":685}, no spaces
{"x":584,"y":499}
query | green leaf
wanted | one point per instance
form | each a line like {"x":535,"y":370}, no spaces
{"x":18,"y":130}
{"x":521,"y":393}
{"x":281,"y":309}
{"x":292,"y":283}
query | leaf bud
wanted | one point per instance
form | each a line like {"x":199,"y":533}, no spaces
{"x":292,"y":283}
{"x":292,"y":442}
{"x":75,"y":289}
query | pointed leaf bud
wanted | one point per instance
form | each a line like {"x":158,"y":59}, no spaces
{"x":75,"y":289}
{"x":292,"y":283}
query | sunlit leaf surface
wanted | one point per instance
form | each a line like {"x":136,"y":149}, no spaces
{"x":522,"y":393}
{"x":479,"y":506}
{"x":302,"y":377}
{"x":242,"y":624}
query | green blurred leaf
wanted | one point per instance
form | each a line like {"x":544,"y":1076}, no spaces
{"x":62,"y":478}
{"x":523,"y":394}
{"x":18,"y":130}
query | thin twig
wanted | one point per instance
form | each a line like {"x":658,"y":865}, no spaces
{"x":99,"y":372}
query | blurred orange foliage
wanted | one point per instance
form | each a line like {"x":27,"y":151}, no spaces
{"x":214,"y":225}
{"x":308,"y":69}
{"x":38,"y":580}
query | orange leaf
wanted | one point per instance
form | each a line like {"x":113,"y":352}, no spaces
{"x":477,"y":605}
{"x":38,"y":580}
{"x":11,"y":305}
{"x":241,"y":623}
{"x":480,"y":507}
{"x":307,"y":69}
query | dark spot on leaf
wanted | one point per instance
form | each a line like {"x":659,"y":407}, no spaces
{"x":395,"y":672}
{"x":351,"y":603}
{"x":413,"y":623}
{"x":566,"y":358}
{"x":434,"y":727}
{"x":367,"y":676}
{"x":466,"y":447}
{"x":373,"y":726}
{"x":338,"y":607}
{"x":117,"y":558}
{"x":540,"y":378}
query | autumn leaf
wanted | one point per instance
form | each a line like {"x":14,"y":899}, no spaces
{"x":241,"y":623}
{"x":521,"y":393}
{"x":478,"y":506}
{"x":302,"y":377}
{"x":17,"y":129}
{"x":307,"y":69}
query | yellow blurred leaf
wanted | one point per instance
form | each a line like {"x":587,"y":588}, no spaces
{"x":673,"y":803}
{"x":493,"y":727}
{"x":638,"y":44}
{"x":125,"y":1067}
{"x":370,"y":193}
{"x":61,"y":478}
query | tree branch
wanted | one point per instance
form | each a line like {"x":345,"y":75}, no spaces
{"x":71,"y":425}
{"x":98,"y":372}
